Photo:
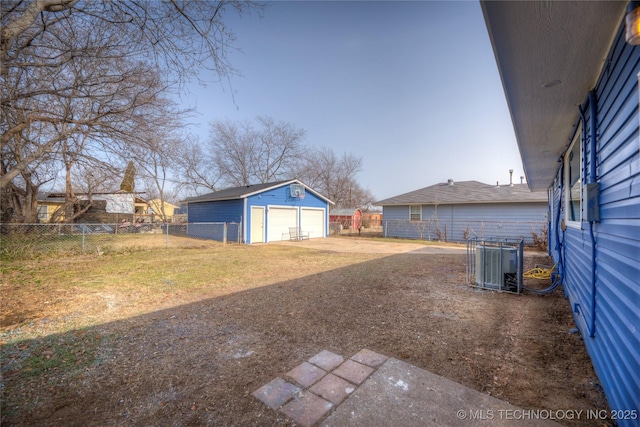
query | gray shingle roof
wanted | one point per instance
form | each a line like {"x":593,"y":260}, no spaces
{"x":343,"y":212}
{"x":466,"y":192}
{"x":245,"y":191}
{"x":234,"y":192}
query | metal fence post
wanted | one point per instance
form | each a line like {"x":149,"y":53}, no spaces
{"x":520,"y":260}
{"x":83,"y":240}
{"x":224,"y":233}
{"x":166,"y":246}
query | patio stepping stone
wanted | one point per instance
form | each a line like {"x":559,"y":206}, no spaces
{"x":326,"y":360}
{"x":306,"y":374}
{"x":307,"y":410}
{"x":369,"y":358}
{"x":353,"y":371}
{"x":333,"y":388}
{"x":276,"y":393}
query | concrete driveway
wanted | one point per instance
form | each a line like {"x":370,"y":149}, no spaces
{"x":388,"y":246}
{"x":370,"y":246}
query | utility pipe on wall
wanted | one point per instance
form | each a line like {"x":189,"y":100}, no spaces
{"x":592,"y":179}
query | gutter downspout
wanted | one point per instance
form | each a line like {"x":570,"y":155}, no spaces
{"x":551,"y":203}
{"x":560,"y":228}
{"x":593,"y":179}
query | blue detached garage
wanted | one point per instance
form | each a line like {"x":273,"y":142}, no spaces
{"x":267,"y":212}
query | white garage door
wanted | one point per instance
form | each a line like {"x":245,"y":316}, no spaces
{"x":279,"y":220}
{"x":313,"y":222}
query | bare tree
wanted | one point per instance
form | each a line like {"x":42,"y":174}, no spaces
{"x":181,"y":37}
{"x":246,"y":155}
{"x":232,"y":146}
{"x":157,"y":162}
{"x":81,"y":183}
{"x":197,"y":168}
{"x":360,"y":197}
{"x":18,"y":200}
{"x":89,"y":71}
{"x":279,"y":149}
{"x":335,"y":177}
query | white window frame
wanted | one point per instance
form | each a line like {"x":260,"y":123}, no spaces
{"x":43,"y":213}
{"x":577,"y":139}
{"x":551,"y":199}
{"x":411,"y":207}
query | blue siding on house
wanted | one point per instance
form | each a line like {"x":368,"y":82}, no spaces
{"x":499,"y":220}
{"x":219,"y":211}
{"x":282,"y":197}
{"x":395,"y":212}
{"x":607,"y":311}
{"x":206,"y":212}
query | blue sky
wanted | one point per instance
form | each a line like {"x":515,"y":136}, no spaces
{"x":411,"y":87}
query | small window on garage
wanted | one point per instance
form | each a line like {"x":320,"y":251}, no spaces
{"x":415,"y":213}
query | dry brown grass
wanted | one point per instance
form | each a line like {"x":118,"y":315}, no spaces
{"x":183,"y":336}
{"x":103,"y":288}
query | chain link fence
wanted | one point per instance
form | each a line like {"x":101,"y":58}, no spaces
{"x":368,"y":227}
{"x":34,"y":240}
{"x":461,"y":231}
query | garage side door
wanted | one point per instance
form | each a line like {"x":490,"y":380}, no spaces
{"x":312,"y":221}
{"x":257,"y":224}
{"x":278,"y":222}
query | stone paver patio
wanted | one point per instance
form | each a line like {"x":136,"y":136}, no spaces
{"x":311,"y":390}
{"x":370,"y":389}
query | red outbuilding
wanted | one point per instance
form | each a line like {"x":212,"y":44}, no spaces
{"x":348,"y":218}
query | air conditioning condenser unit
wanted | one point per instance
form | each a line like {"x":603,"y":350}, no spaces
{"x":496,"y":267}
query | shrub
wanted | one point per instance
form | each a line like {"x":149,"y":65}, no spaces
{"x":541,"y":241}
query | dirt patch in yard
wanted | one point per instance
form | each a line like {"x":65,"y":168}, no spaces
{"x":196,"y":357}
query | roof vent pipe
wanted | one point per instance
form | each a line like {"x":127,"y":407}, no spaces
{"x":450,"y":182}
{"x":510,"y":177}
{"x":522,"y":180}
